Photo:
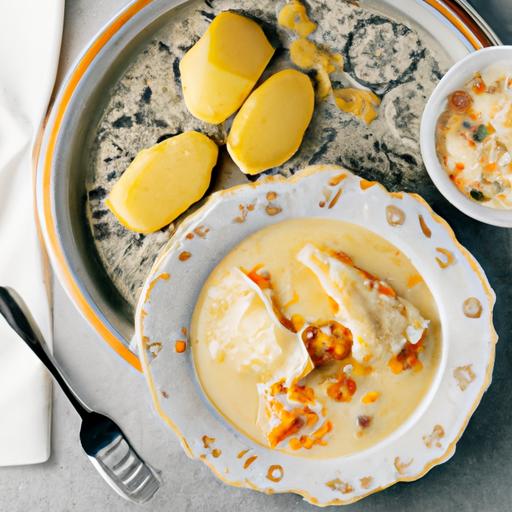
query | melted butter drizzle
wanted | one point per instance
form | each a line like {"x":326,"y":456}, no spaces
{"x":308,"y":55}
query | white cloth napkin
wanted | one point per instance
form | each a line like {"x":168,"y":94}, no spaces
{"x":30,"y":37}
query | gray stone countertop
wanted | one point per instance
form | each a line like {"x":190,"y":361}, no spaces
{"x":475,"y":479}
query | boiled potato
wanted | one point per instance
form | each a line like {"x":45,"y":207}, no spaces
{"x":270,"y":126}
{"x":220,"y":70}
{"x":163,"y":181}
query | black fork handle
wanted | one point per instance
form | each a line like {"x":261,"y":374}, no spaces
{"x":19,"y":318}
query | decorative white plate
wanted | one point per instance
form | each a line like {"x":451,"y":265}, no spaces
{"x":457,"y":282}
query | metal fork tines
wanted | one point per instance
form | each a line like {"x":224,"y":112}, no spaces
{"x":118,"y":462}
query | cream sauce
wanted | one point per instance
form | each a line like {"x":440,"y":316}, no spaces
{"x":298,"y":292}
{"x":474,"y":137}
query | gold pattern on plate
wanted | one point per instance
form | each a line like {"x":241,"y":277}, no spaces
{"x":335,"y":199}
{"x":336,"y":180}
{"x":249,"y":461}
{"x":164,"y":276}
{"x":326,"y":192}
{"x":472,"y":307}
{"x":244,"y":211}
{"x":365,"y":184}
{"x":201,"y":231}
{"x":272,"y":209}
{"x":424,"y":228}
{"x":401,"y":466}
{"x":154,"y":348}
{"x":449,"y":258}
{"x":275,"y":473}
{"x":394,"y":215}
{"x":208,"y":441}
{"x":464,"y":375}
{"x":366,"y":481}
{"x":433,"y":439}
{"x":338,"y":485}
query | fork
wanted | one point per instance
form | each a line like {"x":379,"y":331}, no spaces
{"x":102,"y":440}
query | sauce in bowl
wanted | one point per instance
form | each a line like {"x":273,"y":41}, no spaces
{"x":474,"y":137}
{"x":339,"y":293}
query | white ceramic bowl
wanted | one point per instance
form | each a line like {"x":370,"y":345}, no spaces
{"x":458,"y":284}
{"x":454,"y":79}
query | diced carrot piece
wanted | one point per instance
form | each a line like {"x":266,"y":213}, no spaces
{"x":386,"y":290}
{"x":295,"y":444}
{"x":180,"y":346}
{"x":414,"y":280}
{"x":262,"y":281}
{"x":395,"y":365}
{"x":370,"y":397}
{"x":298,"y":322}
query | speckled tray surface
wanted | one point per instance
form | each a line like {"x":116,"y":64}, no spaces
{"x":392,"y":55}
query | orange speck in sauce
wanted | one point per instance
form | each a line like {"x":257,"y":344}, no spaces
{"x":343,"y":257}
{"x":367,"y":358}
{"x":334,"y":305}
{"x":370,"y":397}
{"x":298,"y":322}
{"x":292,"y":301}
{"x":414,"y":280}
{"x":327,"y":342}
{"x":343,"y":390}
{"x":302,"y":394}
{"x":491,"y":167}
{"x":384,"y":289}
{"x":407,"y":358}
{"x":459,"y":166}
{"x":479,"y":86}
{"x":395,"y":365}
{"x":295,"y":444}
{"x":242,"y":453}
{"x":263,"y":281}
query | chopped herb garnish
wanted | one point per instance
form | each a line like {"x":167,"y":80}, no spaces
{"x":476,"y":195}
{"x":466,"y":124}
{"x":481,"y":133}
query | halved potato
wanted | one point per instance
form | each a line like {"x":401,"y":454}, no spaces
{"x":163,"y":181}
{"x":220,"y":70}
{"x":269,"y":127}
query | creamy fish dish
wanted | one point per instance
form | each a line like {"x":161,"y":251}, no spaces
{"x":316,"y":337}
{"x":474,"y":137}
